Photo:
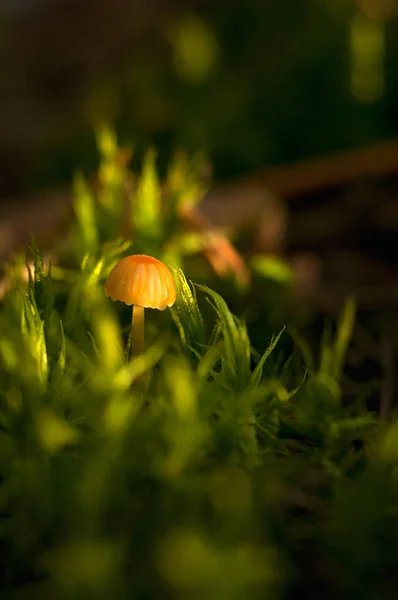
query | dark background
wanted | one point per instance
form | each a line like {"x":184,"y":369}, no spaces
{"x":252,"y":84}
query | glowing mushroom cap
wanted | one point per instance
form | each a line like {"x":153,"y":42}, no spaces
{"x":141,"y":280}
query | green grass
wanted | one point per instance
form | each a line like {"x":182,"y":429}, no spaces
{"x":205,"y":468}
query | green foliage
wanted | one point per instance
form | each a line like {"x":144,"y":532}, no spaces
{"x":147,"y":209}
{"x":201,"y":468}
{"x":235,"y":355}
{"x":186,"y":313}
{"x":85,"y":214}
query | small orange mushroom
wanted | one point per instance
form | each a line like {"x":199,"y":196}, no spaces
{"x":144,"y":282}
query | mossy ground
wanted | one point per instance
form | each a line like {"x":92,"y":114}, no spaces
{"x":209,"y":467}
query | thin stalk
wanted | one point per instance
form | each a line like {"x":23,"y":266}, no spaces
{"x":137,"y":330}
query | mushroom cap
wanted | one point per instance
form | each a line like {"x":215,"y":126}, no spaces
{"x":141,"y":280}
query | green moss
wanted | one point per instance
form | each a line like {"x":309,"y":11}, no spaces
{"x":200,"y":469}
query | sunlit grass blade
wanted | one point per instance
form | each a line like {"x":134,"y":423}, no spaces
{"x":345,"y":328}
{"x":59,"y":367}
{"x":186,"y":313}
{"x":208,"y":361}
{"x":303,"y":346}
{"x":326,"y":351}
{"x":186,"y":182}
{"x":54,"y":433}
{"x":107,"y":336}
{"x":40,"y":284}
{"x":112,"y":174}
{"x":37,"y":285}
{"x":258,"y":371}
{"x":273,"y":268}
{"x":106,"y":141}
{"x":146,"y":205}
{"x":84,"y":208}
{"x":33,"y":336}
{"x":86,"y":289}
{"x":236,"y":352}
{"x":125,"y":376}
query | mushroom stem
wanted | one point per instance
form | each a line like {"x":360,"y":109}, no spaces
{"x":137,"y":330}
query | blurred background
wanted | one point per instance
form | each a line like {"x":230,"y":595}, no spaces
{"x":294,"y":103}
{"x":251,"y":84}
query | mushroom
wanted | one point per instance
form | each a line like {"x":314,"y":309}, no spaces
{"x":144,"y":282}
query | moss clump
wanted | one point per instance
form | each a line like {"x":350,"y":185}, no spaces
{"x":203,"y":468}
